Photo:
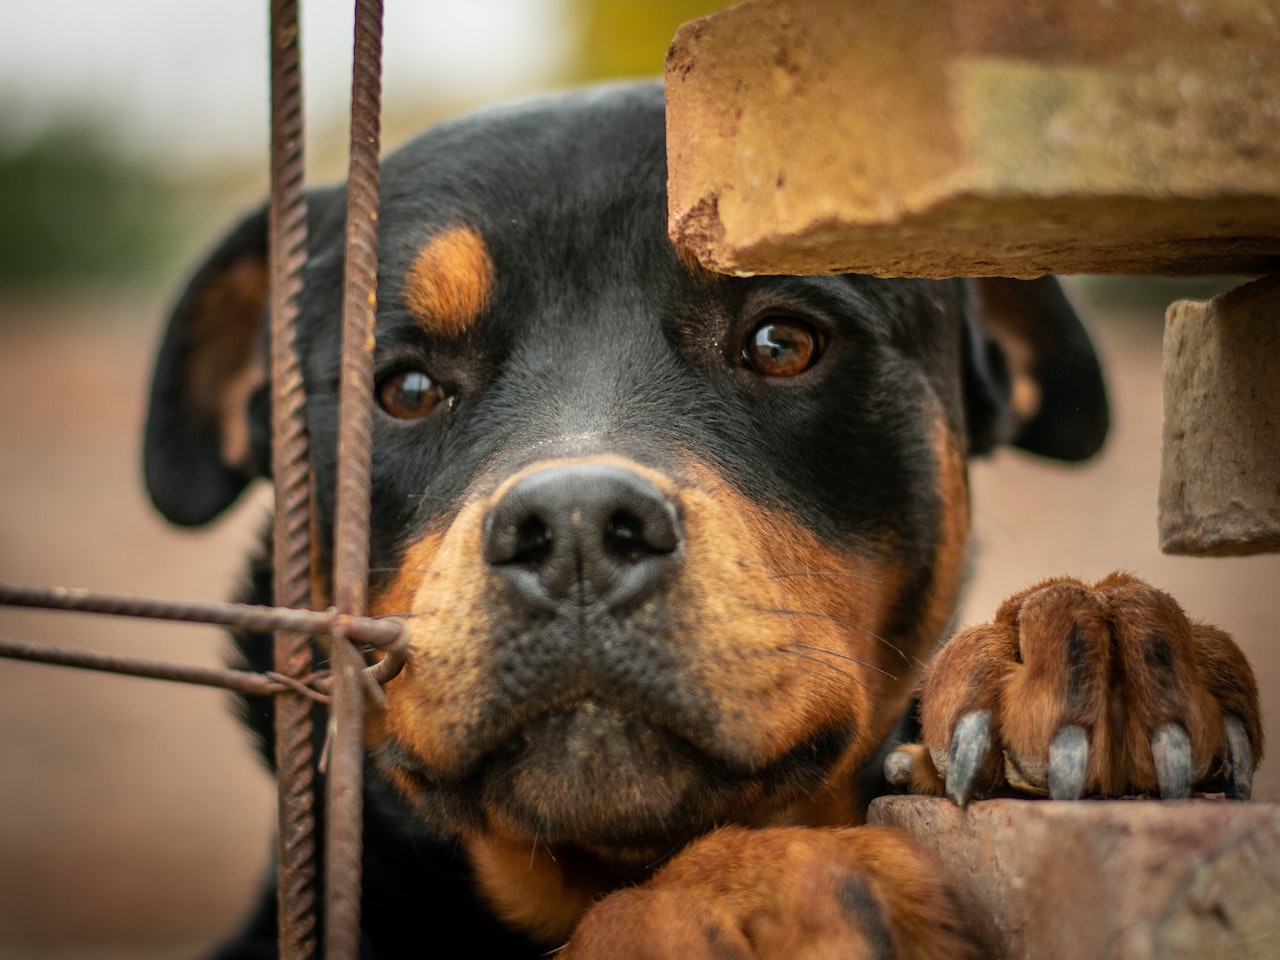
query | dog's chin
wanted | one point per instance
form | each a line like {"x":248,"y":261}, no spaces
{"x":593,"y":775}
{"x":596,"y":776}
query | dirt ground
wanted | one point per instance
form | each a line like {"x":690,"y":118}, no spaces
{"x":134,"y":819}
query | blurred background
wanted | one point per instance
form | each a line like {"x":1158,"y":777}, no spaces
{"x":134,"y":819}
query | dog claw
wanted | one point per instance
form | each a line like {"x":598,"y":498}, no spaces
{"x":1171,"y":751}
{"x":970,"y":745}
{"x":897,"y":768}
{"x":1068,"y":763}
{"x":1239,"y":758}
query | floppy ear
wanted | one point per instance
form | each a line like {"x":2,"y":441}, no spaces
{"x":1032,"y":377}
{"x":208,"y":429}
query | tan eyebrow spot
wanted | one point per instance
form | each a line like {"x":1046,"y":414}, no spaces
{"x":449,"y":281}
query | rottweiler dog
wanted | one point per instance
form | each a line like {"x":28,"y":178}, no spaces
{"x":674,"y":548}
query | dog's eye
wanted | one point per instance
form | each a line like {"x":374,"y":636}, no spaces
{"x":409,"y":394}
{"x":782,"y":347}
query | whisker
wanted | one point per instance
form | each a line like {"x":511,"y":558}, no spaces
{"x":845,"y":656}
{"x":830,"y":666}
{"x":844,"y":574}
{"x":664,"y":857}
{"x":840,"y":620}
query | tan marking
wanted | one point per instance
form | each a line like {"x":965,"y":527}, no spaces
{"x":1010,"y":317}
{"x":225,"y":360}
{"x":1025,"y":395}
{"x":236,"y":445}
{"x":781,"y":620}
{"x":441,"y":588}
{"x":540,"y":890}
{"x":450,"y":282}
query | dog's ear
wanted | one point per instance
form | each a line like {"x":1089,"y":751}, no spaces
{"x":208,"y":429}
{"x":1032,"y":377}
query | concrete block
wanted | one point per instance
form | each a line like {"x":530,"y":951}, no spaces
{"x":1108,"y":880}
{"x":978,"y":137}
{"x":1220,"y":465}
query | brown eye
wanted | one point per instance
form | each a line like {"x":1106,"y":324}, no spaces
{"x":782,"y":347}
{"x":409,"y":394}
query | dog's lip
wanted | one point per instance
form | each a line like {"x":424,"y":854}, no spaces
{"x":499,"y":748}
{"x":692,"y":734}
{"x":646,"y":785}
{"x":586,"y":720}
{"x":587,"y":771}
{"x":510,"y":719}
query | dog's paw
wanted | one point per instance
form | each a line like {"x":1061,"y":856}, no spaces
{"x":1076,"y":690}
{"x":790,"y":893}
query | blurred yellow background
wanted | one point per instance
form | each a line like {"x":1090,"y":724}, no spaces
{"x":134,"y":819}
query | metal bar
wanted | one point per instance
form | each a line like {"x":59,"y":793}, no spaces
{"x":291,"y":473}
{"x":241,"y":681}
{"x":384,"y":633}
{"x":343,"y":851}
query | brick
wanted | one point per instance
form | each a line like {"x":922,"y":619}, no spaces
{"x":978,"y":137}
{"x":1220,"y":461}
{"x":1125,"y":879}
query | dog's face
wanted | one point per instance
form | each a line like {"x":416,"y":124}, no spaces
{"x":671,"y":544}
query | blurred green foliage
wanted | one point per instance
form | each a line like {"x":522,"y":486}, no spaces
{"x":1135,"y":298}
{"x":77,"y":213}
{"x":73,"y":211}
{"x":629,"y":38}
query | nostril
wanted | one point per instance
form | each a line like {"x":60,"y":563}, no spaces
{"x":533,"y":543}
{"x":516,"y":537}
{"x":629,"y":539}
{"x":624,"y":536}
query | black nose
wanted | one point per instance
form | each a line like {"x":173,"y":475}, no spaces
{"x":590,"y":532}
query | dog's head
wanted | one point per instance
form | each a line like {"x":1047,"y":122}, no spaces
{"x":671,"y":544}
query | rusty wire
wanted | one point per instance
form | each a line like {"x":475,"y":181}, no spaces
{"x":291,"y":474}
{"x":345,"y":800}
{"x":388,"y":635}
{"x":311,"y":686}
{"x":384,"y":633}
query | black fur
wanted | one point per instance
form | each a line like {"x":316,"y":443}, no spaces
{"x":595,"y":329}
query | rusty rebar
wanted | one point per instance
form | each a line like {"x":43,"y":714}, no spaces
{"x":241,"y":681}
{"x":385,"y":633}
{"x":293,"y":683}
{"x":291,"y":473}
{"x":343,"y":851}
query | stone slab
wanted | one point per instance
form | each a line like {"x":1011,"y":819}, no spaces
{"x":1108,"y":880}
{"x":1220,"y":460}
{"x":978,"y":137}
